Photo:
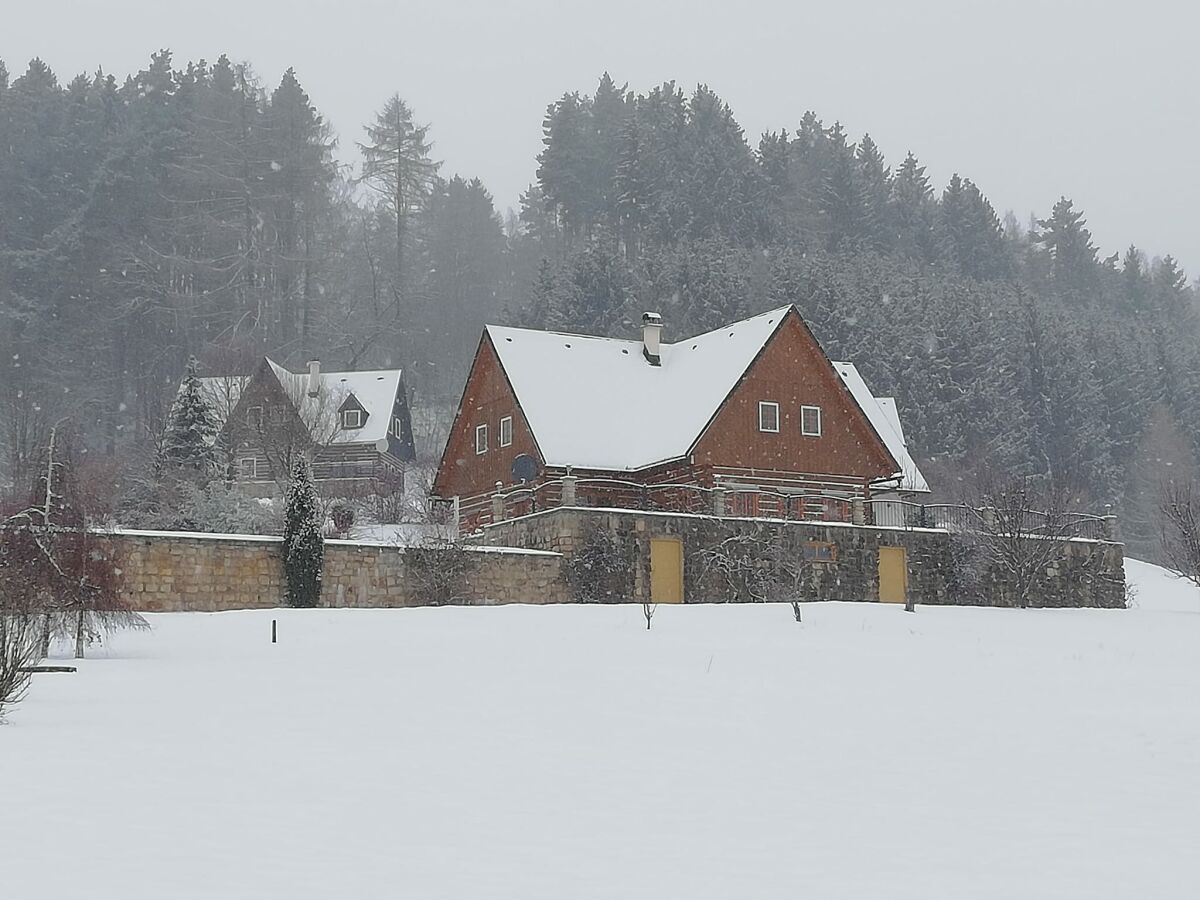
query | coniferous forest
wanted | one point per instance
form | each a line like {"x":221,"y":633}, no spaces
{"x":198,"y":211}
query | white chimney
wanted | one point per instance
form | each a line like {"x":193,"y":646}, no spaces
{"x":651,"y":338}
{"x":314,"y":377}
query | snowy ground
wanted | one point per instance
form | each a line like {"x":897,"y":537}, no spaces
{"x":564,"y":752}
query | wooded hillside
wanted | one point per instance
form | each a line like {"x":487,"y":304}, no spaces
{"x":198,"y":211}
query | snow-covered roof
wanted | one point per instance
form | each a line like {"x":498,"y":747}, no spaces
{"x":374,"y":390}
{"x":595,"y":403}
{"x":886,"y":421}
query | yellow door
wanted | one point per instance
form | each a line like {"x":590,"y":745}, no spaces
{"x":893,"y":575}
{"x":666,"y":570}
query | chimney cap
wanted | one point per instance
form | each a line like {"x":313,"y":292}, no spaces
{"x":651,"y":318}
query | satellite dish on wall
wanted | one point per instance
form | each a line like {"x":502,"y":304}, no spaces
{"x":524,"y":467}
{"x":381,"y":445}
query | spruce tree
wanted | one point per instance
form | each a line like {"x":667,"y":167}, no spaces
{"x":187,"y":443}
{"x":303,"y":546}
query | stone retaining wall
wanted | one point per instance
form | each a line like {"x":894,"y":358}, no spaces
{"x":176,"y":571}
{"x":1089,"y":573}
{"x":169,"y":571}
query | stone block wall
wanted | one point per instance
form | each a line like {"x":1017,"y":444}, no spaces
{"x":1090,"y":573}
{"x":166,"y":572}
{"x":184,"y":572}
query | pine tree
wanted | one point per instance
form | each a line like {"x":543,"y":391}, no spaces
{"x":912,"y":202}
{"x":875,"y":184}
{"x":1169,"y":285}
{"x":187,"y":443}
{"x":1066,"y":237}
{"x":303,"y":546}
{"x":397,"y":166}
{"x":1133,"y":277}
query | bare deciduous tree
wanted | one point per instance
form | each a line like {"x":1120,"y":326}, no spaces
{"x":440,"y":570}
{"x":53,"y":568}
{"x":1021,"y":531}
{"x":754,"y":564}
{"x":20,"y":649}
{"x":1180,"y":508}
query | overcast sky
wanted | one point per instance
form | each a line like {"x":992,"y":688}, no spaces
{"x":1031,"y":100}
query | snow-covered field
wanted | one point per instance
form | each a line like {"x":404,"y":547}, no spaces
{"x":564,"y":752}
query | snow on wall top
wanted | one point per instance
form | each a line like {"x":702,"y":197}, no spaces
{"x":596,"y":403}
{"x":886,"y":421}
{"x":374,"y":390}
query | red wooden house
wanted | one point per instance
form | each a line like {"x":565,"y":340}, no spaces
{"x":755,"y":409}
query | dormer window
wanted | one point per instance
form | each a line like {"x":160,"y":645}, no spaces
{"x":351,"y":419}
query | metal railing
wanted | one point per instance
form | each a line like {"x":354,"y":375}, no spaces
{"x":744,"y":501}
{"x":961,"y":517}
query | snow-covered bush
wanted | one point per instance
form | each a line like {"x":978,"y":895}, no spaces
{"x":183,"y":505}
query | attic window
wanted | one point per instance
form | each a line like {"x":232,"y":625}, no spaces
{"x":768,"y":416}
{"x":480,"y":439}
{"x":254,"y":417}
{"x":810,"y":421}
{"x":397,"y":427}
{"x":352,"y":418}
{"x":506,"y":431}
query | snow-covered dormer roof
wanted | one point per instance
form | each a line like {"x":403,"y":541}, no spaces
{"x":886,"y":421}
{"x":595,"y":402}
{"x":374,"y":390}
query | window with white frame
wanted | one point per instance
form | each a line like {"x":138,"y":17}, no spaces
{"x":397,"y":427}
{"x":481,"y":439}
{"x":768,"y":416}
{"x":810,"y":421}
{"x":506,"y":431}
{"x":254,"y":416}
{"x":352,"y":418}
{"x":248,"y":468}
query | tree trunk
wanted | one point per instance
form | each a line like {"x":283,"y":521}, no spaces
{"x":79,"y":642}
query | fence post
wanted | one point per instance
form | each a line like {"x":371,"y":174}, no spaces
{"x":498,"y":503}
{"x":568,"y":490}
{"x":718,"y":501}
{"x":1111,"y":530}
{"x":858,"y":511}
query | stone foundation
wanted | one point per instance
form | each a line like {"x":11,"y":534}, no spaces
{"x":1089,"y":574}
{"x":168,"y":571}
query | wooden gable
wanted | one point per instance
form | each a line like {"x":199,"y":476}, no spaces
{"x":793,"y":371}
{"x":487,"y":399}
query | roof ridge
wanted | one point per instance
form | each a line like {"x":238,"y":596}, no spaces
{"x":779,"y":310}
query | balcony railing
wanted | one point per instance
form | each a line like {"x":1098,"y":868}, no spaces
{"x":737,"y":501}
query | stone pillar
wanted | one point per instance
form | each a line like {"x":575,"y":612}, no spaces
{"x":858,"y":511}
{"x":1112,"y":531}
{"x":498,"y":503}
{"x":718,"y":501}
{"x":568,"y":490}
